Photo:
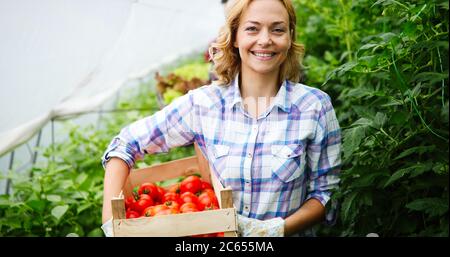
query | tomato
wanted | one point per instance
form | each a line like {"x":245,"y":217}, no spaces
{"x":158,"y":208}
{"x":206,"y":185}
{"x":148,"y":211}
{"x":209,"y":192}
{"x":175,"y":188}
{"x":132,"y":214}
{"x":129,"y":201}
{"x":188,"y":197}
{"x":150,"y":189}
{"x":207,"y":201}
{"x":171,"y":196}
{"x":172,"y":205}
{"x":161,"y":193}
{"x":211,"y":207}
{"x":166,"y":212}
{"x":188,"y":207}
{"x":191,"y":184}
{"x":143,"y":202}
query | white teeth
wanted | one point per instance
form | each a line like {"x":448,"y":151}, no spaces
{"x":263,"y":55}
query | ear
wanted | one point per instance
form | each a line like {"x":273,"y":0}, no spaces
{"x":235,"y":44}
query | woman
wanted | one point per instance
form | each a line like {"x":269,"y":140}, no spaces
{"x":275,"y":142}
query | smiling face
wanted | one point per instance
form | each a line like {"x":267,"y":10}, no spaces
{"x":263,"y":37}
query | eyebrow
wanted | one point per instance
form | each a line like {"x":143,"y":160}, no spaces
{"x":273,"y":23}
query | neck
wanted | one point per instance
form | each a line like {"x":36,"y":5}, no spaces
{"x":258,"y":90}
{"x":258,"y":85}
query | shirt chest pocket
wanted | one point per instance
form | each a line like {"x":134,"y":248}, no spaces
{"x":219,"y":160}
{"x":287,"y":161}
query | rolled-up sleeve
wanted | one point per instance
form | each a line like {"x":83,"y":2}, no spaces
{"x":170,"y":127}
{"x":324,"y":159}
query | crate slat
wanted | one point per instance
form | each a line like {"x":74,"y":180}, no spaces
{"x":183,"y":224}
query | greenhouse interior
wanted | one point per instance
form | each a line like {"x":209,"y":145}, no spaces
{"x":74,"y":73}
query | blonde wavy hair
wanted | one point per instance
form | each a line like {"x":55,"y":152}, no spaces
{"x":227,"y":62}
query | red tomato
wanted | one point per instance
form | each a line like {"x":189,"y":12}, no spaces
{"x":191,"y":184}
{"x":132,"y":214}
{"x":166,"y":212}
{"x":206,"y":185}
{"x":143,"y":202}
{"x":161,"y":193}
{"x":148,"y":211}
{"x":171,"y":196}
{"x":188,"y":207}
{"x":129,"y":201}
{"x":150,"y":189}
{"x":188,"y":197}
{"x":158,"y":208}
{"x":210,"y":192}
{"x":175,"y":188}
{"x":207,"y":201}
{"x":172,"y":205}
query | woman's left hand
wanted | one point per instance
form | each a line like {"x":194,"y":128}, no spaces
{"x":249,"y":227}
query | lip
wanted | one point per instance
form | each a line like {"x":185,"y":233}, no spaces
{"x":263,"y":55}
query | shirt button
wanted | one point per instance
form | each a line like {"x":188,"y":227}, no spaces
{"x":246,"y":207}
{"x":249,"y":155}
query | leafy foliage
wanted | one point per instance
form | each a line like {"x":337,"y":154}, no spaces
{"x":65,"y":194}
{"x":385,"y":65}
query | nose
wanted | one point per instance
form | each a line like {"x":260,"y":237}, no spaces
{"x":264,"y":38}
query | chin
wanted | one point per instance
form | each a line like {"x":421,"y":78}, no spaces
{"x":265,"y":70}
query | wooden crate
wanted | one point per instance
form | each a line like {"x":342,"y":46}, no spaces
{"x":174,"y":225}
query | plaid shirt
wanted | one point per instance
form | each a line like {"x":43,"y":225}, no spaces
{"x":290,"y":154}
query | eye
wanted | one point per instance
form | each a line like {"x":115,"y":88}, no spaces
{"x":279,"y":30}
{"x":251,"y":29}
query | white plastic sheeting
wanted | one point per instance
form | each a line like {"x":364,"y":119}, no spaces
{"x":64,"y":57}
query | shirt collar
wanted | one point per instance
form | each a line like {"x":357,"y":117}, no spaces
{"x":281,"y":99}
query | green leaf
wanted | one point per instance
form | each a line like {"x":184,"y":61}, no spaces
{"x":415,"y":170}
{"x":387,"y":37}
{"x":417,"y":149}
{"x":96,"y":232}
{"x":397,"y":175}
{"x":368,"y":46}
{"x":59,"y":211}
{"x":399,"y":118}
{"x":169,"y":182}
{"x":54,"y":198}
{"x":431,"y":205}
{"x":347,"y":205}
{"x":421,"y":168}
{"x":379,"y":120}
{"x":367,"y":180}
{"x":432,"y":77}
{"x":37,"y":205}
{"x":4,"y":201}
{"x":352,"y":139}
{"x":81,"y":178}
{"x":444,"y":5}
{"x":83,"y":207}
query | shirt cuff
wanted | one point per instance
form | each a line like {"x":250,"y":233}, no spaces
{"x":118,"y":149}
{"x":331,"y":206}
